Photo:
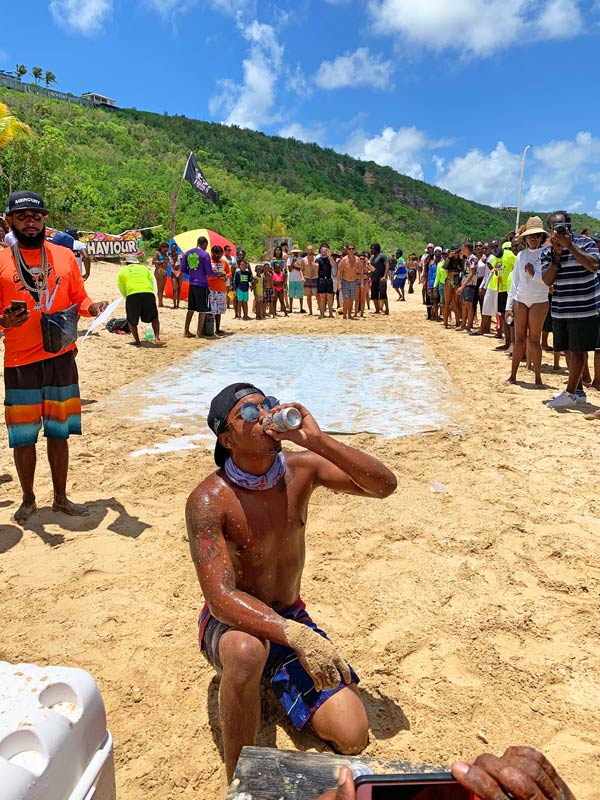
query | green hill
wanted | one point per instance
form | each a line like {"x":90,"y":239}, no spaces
{"x":110,"y":171}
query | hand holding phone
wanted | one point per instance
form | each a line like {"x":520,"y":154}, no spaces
{"x":16,"y":315}
{"x":435,"y":786}
{"x":520,"y":774}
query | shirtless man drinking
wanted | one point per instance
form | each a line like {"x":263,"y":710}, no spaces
{"x":246,"y":528}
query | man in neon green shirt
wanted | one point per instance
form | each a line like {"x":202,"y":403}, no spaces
{"x":136,"y":284}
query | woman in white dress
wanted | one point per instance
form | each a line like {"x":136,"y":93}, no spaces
{"x":527,"y":299}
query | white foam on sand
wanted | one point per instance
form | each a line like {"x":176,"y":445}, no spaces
{"x":385,"y":385}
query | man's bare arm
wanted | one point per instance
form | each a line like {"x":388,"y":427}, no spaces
{"x":339,"y":467}
{"x":215,"y":571}
{"x":344,"y":469}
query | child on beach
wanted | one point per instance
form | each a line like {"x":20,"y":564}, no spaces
{"x":242,"y":282}
{"x":279,"y":286}
{"x":258,"y":289}
{"x":269,"y":294}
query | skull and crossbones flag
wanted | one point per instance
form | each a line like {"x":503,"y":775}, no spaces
{"x":193,"y":174}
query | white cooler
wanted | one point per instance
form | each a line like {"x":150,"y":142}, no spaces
{"x":53,"y":739}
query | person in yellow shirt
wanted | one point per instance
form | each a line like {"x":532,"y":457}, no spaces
{"x":503,"y":266}
{"x":137,"y":287}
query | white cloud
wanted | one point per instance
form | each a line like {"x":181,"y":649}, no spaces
{"x":403,"y":149}
{"x":81,"y":16}
{"x":354,"y":69}
{"x":562,"y":169}
{"x":476,"y":27}
{"x":558,"y":17}
{"x":558,"y":174}
{"x":487,"y":178}
{"x":250,"y":104}
{"x":310,"y":134}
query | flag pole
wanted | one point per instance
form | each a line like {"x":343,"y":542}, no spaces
{"x":175,"y":198}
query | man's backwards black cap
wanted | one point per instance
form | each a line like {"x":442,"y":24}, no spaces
{"x":218,"y":412}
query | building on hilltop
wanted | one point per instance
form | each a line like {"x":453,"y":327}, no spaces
{"x":99,"y":100}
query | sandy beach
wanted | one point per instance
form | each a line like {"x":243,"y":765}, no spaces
{"x":471,"y":617}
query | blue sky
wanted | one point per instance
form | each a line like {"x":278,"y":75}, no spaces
{"x":449,"y":91}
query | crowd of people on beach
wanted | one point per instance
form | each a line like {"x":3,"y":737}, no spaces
{"x":330,"y":283}
{"x":506,"y":288}
{"x":519,"y":289}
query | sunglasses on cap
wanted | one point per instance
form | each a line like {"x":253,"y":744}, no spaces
{"x":250,"y":412}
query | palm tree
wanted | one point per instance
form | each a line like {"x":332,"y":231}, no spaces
{"x":273,"y":226}
{"x":12,"y":128}
{"x":49,"y":77}
{"x":37,"y":74}
{"x":21,"y":70}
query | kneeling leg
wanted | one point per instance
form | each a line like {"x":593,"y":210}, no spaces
{"x":342,"y":720}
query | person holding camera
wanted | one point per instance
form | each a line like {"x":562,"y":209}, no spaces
{"x":570,"y":265}
{"x":41,"y":294}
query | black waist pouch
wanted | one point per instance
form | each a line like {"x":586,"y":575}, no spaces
{"x":59,"y":329}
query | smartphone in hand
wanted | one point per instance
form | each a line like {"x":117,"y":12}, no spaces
{"x":435,"y":786}
{"x":18,"y":305}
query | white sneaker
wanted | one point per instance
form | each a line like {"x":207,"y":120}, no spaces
{"x":564,"y":400}
{"x":581,"y":396}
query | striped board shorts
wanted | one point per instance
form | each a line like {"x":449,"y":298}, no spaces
{"x":292,"y":685}
{"x":45,"y":393}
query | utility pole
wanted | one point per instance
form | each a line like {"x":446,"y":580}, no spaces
{"x":521,"y":185}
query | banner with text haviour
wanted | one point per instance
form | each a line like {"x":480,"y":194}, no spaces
{"x":193,"y":174}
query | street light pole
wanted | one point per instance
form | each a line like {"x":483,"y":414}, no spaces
{"x":521,"y":184}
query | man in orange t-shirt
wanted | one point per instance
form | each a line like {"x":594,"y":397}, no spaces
{"x":217,"y":286}
{"x":41,"y":386}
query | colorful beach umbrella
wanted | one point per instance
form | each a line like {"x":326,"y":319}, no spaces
{"x":187,"y":241}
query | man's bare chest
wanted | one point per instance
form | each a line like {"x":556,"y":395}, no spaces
{"x":257,"y":523}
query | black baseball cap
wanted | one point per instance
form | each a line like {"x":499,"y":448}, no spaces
{"x":72,"y":232}
{"x":24,"y":201}
{"x":220,"y":406}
